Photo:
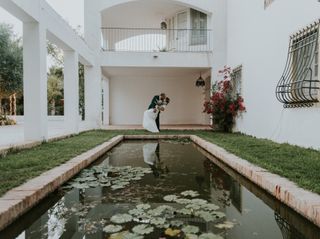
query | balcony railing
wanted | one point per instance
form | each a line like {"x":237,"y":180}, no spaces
{"x":156,"y":40}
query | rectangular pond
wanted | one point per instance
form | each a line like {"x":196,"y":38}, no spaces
{"x":160,"y":189}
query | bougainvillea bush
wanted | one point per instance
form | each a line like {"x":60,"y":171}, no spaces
{"x":224,"y":105}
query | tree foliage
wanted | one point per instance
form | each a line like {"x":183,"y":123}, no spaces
{"x":11,"y":61}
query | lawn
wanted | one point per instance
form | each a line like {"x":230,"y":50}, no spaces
{"x":298,"y":164}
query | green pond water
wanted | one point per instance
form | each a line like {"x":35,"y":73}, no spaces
{"x":160,"y":189}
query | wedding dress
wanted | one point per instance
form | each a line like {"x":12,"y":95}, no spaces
{"x":149,"y":121}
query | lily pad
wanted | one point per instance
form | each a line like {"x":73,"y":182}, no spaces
{"x":121,"y":218}
{"x":112,"y":228}
{"x":190,"y":229}
{"x":207,"y":216}
{"x":142,"y":229}
{"x":209,"y":236}
{"x":170,"y":198}
{"x":225,"y":225}
{"x":158,"y":221}
{"x":143,"y":206}
{"x":182,"y":201}
{"x":190,"y":193}
{"x":199,"y":201}
{"x":191,"y":236}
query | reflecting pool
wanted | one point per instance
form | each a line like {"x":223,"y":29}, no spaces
{"x":160,"y":189}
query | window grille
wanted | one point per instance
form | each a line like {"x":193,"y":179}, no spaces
{"x":299,"y":84}
{"x":236,"y":79}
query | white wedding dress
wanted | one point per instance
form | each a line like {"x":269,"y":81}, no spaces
{"x":149,"y":121}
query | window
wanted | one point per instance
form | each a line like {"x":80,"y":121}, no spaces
{"x":236,"y":79}
{"x":299,"y":84}
{"x":199,"y":28}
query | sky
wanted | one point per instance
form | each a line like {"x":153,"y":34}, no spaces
{"x":70,"y":10}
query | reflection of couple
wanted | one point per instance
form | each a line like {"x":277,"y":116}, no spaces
{"x":151,"y":117}
{"x":151,"y":156}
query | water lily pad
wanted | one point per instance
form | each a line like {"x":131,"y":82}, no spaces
{"x":182,"y":201}
{"x":185,"y":211}
{"x":190,"y":193}
{"x":207,"y":216}
{"x":193,"y":206}
{"x":142,"y":229}
{"x":177,"y":223}
{"x":158,"y":221}
{"x":170,"y":198}
{"x":130,"y":235}
{"x":143,"y":206}
{"x":136,"y":212}
{"x":190,"y":229}
{"x":191,"y":236}
{"x":112,"y":228}
{"x":199,"y":201}
{"x":225,"y":225}
{"x":209,"y":236}
{"x":210,"y":207}
{"x":121,"y":218}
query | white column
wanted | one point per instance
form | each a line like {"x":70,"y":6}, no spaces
{"x":71,"y":91}
{"x":35,"y":81}
{"x":93,"y":104}
{"x":106,"y":92}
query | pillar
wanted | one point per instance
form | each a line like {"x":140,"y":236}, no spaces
{"x":93,"y":104}
{"x":35,"y":81}
{"x":106,"y":92}
{"x":71,"y":91}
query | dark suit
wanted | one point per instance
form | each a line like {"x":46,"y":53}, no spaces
{"x":153,"y":105}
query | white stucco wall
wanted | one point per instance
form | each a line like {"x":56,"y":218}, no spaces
{"x":130,"y":97}
{"x":258,"y":39}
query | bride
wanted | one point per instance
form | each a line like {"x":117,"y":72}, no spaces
{"x":149,"y":116}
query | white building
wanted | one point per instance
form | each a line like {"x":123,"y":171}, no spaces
{"x":135,"y":49}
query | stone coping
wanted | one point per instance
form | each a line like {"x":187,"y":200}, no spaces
{"x":19,"y":200}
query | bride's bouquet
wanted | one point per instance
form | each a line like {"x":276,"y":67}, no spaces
{"x":161,"y":105}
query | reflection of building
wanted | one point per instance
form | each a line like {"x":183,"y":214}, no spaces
{"x":223,"y":187}
{"x":288,"y":231}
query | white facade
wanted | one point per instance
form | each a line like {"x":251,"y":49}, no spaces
{"x":241,"y":33}
{"x":259,"y":40}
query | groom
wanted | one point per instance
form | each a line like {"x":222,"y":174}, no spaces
{"x":153,"y":105}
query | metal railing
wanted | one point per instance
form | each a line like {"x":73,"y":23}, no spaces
{"x":156,"y":40}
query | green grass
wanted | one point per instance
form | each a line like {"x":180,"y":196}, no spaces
{"x":298,"y":164}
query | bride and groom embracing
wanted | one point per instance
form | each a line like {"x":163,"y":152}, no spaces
{"x":151,"y":117}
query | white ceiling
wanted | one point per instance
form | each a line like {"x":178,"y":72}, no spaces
{"x":148,"y":13}
{"x":153,"y":72}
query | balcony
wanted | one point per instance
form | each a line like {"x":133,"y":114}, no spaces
{"x":156,"y":40}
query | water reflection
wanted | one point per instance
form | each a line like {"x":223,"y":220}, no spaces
{"x":151,"y":156}
{"x":79,"y":214}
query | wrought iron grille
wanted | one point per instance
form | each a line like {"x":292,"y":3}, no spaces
{"x":287,"y":231}
{"x":156,"y":40}
{"x":299,"y":84}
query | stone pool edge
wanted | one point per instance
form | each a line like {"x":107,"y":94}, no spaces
{"x":19,"y":200}
{"x":304,"y":202}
